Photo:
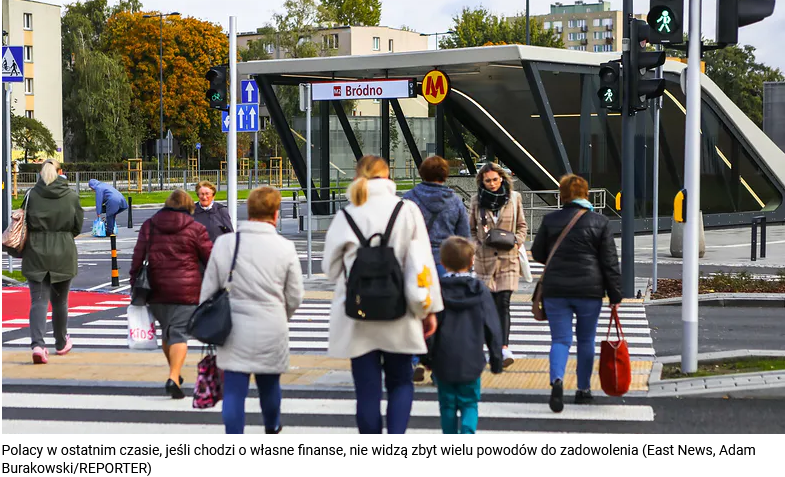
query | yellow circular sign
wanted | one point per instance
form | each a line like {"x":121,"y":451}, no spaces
{"x":435,"y":87}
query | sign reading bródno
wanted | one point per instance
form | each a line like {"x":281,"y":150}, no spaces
{"x":376,"y":89}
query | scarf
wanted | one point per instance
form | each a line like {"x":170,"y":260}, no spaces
{"x":493,"y":201}
{"x":584,"y":203}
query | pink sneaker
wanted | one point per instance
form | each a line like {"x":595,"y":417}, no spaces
{"x":40,"y":355}
{"x":67,"y":347}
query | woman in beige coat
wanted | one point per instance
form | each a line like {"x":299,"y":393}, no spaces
{"x":374,"y":346}
{"x":497,"y":206}
{"x":266,"y":290}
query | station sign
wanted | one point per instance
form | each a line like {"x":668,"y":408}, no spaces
{"x":435,"y":86}
{"x":374,"y":89}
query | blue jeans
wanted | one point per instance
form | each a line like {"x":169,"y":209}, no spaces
{"x":459,"y":397}
{"x":112,"y":210}
{"x":235,"y":392}
{"x":560,"y":312}
{"x":367,"y":374}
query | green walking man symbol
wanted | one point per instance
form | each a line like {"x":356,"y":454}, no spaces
{"x":608,"y":97}
{"x":664,"y":22}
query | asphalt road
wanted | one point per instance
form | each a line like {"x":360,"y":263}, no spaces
{"x":720,"y":329}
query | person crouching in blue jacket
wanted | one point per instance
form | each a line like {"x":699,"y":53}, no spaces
{"x":468,"y":321}
{"x":109,"y":200}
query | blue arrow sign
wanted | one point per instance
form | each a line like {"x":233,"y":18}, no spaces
{"x":250,"y":92}
{"x":13,"y":65}
{"x":247,"y":118}
{"x":198,"y":145}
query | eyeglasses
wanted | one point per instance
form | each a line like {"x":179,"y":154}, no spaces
{"x":492,"y":181}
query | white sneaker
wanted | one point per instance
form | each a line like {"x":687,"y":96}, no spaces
{"x":507,"y":357}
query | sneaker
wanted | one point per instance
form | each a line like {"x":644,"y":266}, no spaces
{"x":557,"y":396}
{"x":583,"y":397}
{"x":507,"y":357}
{"x":68,"y":345}
{"x":274,"y":431}
{"x":419,"y":374}
{"x":40,"y":355}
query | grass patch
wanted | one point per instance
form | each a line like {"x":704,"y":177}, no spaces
{"x":16,"y":275}
{"x":742,"y":282}
{"x":719,"y":368}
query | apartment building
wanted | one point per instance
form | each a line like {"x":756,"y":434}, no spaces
{"x":361,"y":40}
{"x":35,"y":25}
{"x":586,"y":26}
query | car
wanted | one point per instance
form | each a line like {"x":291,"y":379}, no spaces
{"x":478,"y":166}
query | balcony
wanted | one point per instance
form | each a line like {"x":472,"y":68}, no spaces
{"x":608,"y":27}
{"x":609,"y":40}
{"x":584,"y":28}
{"x":584,"y":41}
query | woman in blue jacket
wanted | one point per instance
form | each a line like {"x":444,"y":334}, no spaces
{"x":109,"y":200}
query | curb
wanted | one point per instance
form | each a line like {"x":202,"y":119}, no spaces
{"x":766,"y":384}
{"x":753,"y":300}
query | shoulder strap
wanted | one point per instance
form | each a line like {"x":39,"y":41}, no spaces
{"x":149,"y":243}
{"x":234,"y":259}
{"x":353,"y":225}
{"x":391,"y":223}
{"x":432,"y":220}
{"x":564,"y":233}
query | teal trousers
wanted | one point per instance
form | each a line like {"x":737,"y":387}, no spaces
{"x":459,"y":398}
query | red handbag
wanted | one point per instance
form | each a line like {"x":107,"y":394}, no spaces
{"x":615,"y":371}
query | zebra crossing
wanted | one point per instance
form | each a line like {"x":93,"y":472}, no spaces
{"x":309,"y":330}
{"x":132,"y":409}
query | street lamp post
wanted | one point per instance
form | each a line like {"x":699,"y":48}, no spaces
{"x":528,"y":32}
{"x":448,"y":32}
{"x":161,"y":90}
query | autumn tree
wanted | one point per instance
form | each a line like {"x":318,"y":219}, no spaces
{"x":351,"y":12}
{"x":478,"y":27}
{"x":31,"y":136}
{"x":190,"y":48}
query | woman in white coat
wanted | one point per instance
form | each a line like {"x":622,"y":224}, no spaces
{"x":266,"y":290}
{"x":374,"y":346}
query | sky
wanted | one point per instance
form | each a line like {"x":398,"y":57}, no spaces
{"x":434,"y":16}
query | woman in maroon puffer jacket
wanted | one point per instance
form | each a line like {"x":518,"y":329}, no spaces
{"x":176,"y":245}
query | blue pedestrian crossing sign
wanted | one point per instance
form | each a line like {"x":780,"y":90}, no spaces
{"x":13,"y":66}
{"x":198,"y":145}
{"x":249,"y":92}
{"x":247,"y":118}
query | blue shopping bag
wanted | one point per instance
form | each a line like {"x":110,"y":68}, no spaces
{"x":99,"y":227}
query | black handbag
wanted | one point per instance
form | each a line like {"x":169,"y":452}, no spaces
{"x":142,"y":288}
{"x":497,"y":238}
{"x":211,"y":322}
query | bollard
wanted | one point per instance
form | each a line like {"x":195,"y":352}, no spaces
{"x":149,"y":181}
{"x":334,"y":207}
{"x":130,"y":212}
{"x":114,"y":180}
{"x":115,"y":270}
{"x":763,"y":237}
{"x":761,"y":219}
{"x":185,"y":180}
{"x":294,"y":204}
{"x":77,"y":183}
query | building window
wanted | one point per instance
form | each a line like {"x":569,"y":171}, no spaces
{"x":28,"y":54}
{"x":269,"y":48}
{"x":28,"y":85}
{"x":571,"y":24}
{"x":607,"y":48}
{"x":578,"y":48}
{"x":29,"y":114}
{"x":557,"y":24}
{"x":376,"y":43}
{"x":390,"y":46}
{"x":546,"y":25}
{"x":571,"y":36}
{"x":597,"y":48}
{"x":580,"y":36}
{"x":598,"y":35}
{"x":607,"y":22}
{"x":331,"y":41}
{"x":581,"y":23}
{"x":27,"y":21}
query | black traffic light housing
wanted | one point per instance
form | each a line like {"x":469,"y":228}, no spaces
{"x":217,"y":92}
{"x":666,"y":21}
{"x":610,"y":86}
{"x":641,"y":61}
{"x":734,"y":14}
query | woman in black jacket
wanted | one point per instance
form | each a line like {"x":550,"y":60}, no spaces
{"x":214,"y":216}
{"x":583,"y":269}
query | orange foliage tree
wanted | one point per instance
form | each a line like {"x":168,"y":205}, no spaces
{"x":190,"y":48}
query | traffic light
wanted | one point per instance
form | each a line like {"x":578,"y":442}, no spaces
{"x":641,"y":61}
{"x":665,"y":21}
{"x":610,"y":86}
{"x":217,"y":92}
{"x":734,"y":14}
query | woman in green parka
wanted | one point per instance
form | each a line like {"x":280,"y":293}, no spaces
{"x":54,"y":218}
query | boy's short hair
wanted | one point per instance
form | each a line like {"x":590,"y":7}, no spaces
{"x":456,"y":253}
{"x":263,"y":203}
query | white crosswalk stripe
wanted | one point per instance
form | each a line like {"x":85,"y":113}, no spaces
{"x":57,"y":409}
{"x":309,"y":331}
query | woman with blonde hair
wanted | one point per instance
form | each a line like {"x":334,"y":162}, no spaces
{"x":581,"y":271}
{"x":389,"y":345}
{"x":54,"y":217}
{"x":498,"y":208}
{"x":176,"y":247}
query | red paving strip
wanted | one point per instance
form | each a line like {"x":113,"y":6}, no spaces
{"x":16,"y":303}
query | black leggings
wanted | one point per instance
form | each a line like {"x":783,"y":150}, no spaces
{"x":502,"y":300}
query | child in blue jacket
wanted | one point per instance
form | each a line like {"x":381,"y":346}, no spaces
{"x":468,"y":321}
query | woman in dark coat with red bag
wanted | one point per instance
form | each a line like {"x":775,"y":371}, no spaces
{"x":178,"y":248}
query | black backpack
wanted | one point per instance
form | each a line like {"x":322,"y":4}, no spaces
{"x":374,"y":286}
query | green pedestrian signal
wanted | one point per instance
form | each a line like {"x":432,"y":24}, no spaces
{"x":607,"y":95}
{"x":664,"y":22}
{"x":609,"y":92}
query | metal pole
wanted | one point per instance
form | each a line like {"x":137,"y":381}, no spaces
{"x":256,"y":158}
{"x":690,"y":268}
{"x":656,"y":180}
{"x":232,"y":152}
{"x":161,"y":96}
{"x":309,"y":217}
{"x":628,"y":167}
{"x":199,"y":164}
{"x":7,"y":203}
{"x":528,"y":32}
